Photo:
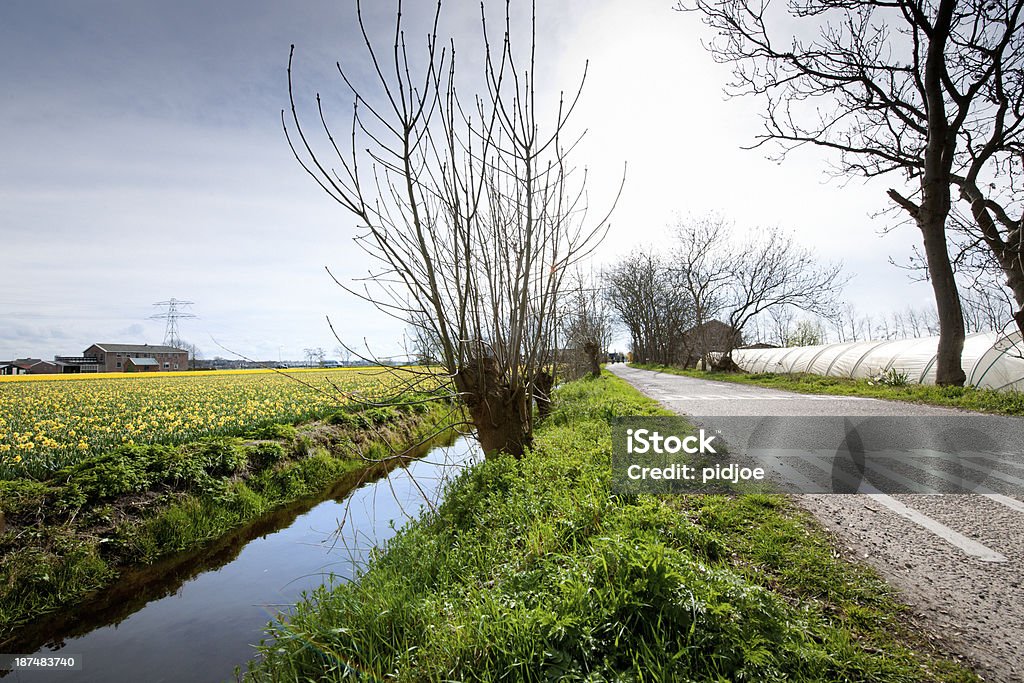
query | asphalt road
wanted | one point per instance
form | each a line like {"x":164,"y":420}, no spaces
{"x":958,"y":560}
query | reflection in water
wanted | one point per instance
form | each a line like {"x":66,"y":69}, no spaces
{"x":196,"y":617}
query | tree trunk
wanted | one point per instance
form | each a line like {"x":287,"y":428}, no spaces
{"x":948,"y":368}
{"x":543,"y":383}
{"x":935,"y":204}
{"x":593,"y":353}
{"x":501,"y":415}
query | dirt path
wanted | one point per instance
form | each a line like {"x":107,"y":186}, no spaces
{"x":958,"y":560}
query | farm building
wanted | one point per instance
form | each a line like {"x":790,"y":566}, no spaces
{"x":990,"y":359}
{"x":141,"y":365}
{"x":125,"y":358}
{"x":27,"y":366}
{"x":708,"y":337}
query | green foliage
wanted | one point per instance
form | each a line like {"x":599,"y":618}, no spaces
{"x":275,"y":431}
{"x":35,"y":577}
{"x":220,"y":457}
{"x":890,"y":378}
{"x":124,"y":471}
{"x":345,"y":419}
{"x":183,"y":470}
{"x":21,"y":496}
{"x":532,"y":571}
{"x":265,"y":454}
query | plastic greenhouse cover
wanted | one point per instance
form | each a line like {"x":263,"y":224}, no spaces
{"x":990,"y":359}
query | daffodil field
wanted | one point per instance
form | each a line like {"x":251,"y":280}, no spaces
{"x":49,"y":421}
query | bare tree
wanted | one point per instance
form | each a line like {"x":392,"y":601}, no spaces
{"x":775,"y":272}
{"x":652,"y":303}
{"x":991,"y":50}
{"x":194,"y":353}
{"x":910,"y":86}
{"x":469,"y":207}
{"x":769,"y":274}
{"x":783,"y":319}
{"x":344,"y":354}
{"x":704,"y":257}
{"x":849,"y":325}
{"x":987,"y":304}
{"x":670,"y":307}
{"x":587,"y":322}
{"x":806,"y":332}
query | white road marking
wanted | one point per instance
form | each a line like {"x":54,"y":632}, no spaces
{"x":955,"y":538}
{"x":951,"y":536}
{"x":1011,"y":503}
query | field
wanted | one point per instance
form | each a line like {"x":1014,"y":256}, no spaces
{"x":106,"y":472}
{"x":50,"y":421}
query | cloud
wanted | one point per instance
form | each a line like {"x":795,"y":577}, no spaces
{"x":133,"y":332}
{"x":144,"y":160}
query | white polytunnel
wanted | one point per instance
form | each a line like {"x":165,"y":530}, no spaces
{"x":990,"y":360}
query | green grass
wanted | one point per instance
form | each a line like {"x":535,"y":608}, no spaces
{"x":74,"y":532}
{"x":532,"y":571}
{"x":968,"y":398}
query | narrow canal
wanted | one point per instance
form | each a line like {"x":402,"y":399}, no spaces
{"x":196,"y":617}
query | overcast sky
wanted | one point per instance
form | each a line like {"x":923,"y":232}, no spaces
{"x":143,"y":159}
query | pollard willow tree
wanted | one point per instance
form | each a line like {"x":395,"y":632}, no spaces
{"x":739,"y":281}
{"x":469,"y":208}
{"x":927,"y":88}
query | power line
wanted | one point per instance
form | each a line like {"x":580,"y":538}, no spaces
{"x":172,"y":315}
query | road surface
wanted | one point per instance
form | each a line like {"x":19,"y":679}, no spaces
{"x":958,"y":560}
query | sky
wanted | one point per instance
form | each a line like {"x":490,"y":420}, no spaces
{"x":143,"y":160}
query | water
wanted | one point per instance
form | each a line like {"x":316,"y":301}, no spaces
{"x":196,"y":617}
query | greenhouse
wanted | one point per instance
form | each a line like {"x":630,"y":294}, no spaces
{"x":990,"y":359}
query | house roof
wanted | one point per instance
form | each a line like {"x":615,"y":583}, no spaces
{"x":136,"y":348}
{"x":27,"y":363}
{"x":143,"y":361}
{"x":709,"y":325}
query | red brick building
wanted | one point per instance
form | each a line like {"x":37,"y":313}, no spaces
{"x":116,"y":357}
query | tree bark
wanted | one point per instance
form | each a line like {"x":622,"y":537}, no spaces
{"x":593,"y":352}
{"x":543,"y":383}
{"x":500,"y":413}
{"x":935,"y":204}
{"x":948,"y":368}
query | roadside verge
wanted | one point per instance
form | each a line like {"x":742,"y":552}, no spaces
{"x":532,"y":570}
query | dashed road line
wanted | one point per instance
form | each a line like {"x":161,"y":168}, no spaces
{"x":955,"y":538}
{"x":1011,"y":503}
{"x":968,"y":545}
